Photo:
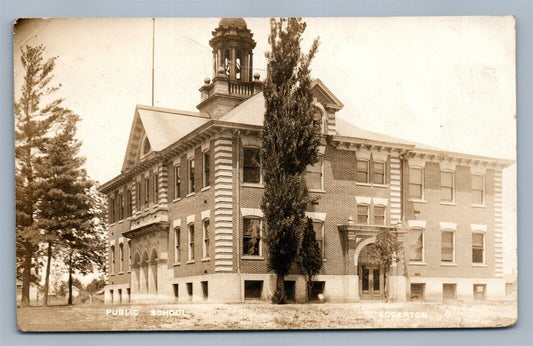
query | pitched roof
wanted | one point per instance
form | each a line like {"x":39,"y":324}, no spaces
{"x":162,"y":127}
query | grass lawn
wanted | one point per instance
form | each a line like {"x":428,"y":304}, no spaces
{"x":266,"y":316}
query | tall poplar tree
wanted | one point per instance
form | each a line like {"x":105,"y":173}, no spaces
{"x":290,"y":143}
{"x":33,"y":123}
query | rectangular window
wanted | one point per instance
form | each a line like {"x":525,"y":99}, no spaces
{"x":416,"y":183}
{"x":176,"y":288}
{"x":139,"y":196}
{"x":205,"y":236}
{"x":318,"y":226}
{"x":177,"y":241}
{"x":290,"y":290}
{"x":129,"y":255}
{"x":478,"y":248}
{"x":361,"y":175}
{"x":112,"y":251}
{"x":313,"y":176}
{"x":129,"y":203}
{"x":146,"y":192}
{"x":479,"y":291}
{"x":205,"y":289}
{"x":121,"y":257}
{"x":362,"y":214}
{"x":111,"y":295}
{"x":447,"y":242}
{"x":156,"y":188}
{"x":251,"y":238}
{"x":189,"y":289}
{"x":190,"y":238}
{"x":112,"y":210}
{"x":478,"y":189}
{"x":252,"y":166}
{"x":416,"y":250}
{"x":177,"y":182}
{"x":379,"y":215}
{"x":378,"y":175}
{"x":449,"y":291}
{"x":206,"y":170}
{"x":120,"y":295}
{"x":190,"y":169}
{"x":317,"y":290}
{"x":253,"y":289}
{"x":417,"y":291}
{"x":446,"y":186}
{"x":121,"y":208}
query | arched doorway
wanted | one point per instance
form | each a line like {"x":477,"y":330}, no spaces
{"x":371,"y":276}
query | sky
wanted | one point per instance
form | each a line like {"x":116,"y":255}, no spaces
{"x":447,"y":82}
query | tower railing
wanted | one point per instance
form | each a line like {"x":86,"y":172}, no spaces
{"x":240,"y":88}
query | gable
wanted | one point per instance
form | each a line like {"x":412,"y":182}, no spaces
{"x":161,"y":127}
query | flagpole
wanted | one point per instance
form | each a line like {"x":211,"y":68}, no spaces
{"x":153,"y":55}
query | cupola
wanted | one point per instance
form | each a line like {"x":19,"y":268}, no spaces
{"x":233,"y":79}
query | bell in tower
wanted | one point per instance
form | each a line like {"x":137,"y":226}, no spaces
{"x":233,"y":79}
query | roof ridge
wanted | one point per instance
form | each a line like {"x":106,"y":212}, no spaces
{"x":173,"y":111}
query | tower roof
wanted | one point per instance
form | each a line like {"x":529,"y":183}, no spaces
{"x":233,"y":22}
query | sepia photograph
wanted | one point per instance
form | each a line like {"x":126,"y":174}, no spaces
{"x":178,"y":174}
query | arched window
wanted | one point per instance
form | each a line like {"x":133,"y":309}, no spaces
{"x":226,"y":62}
{"x":238,"y":60}
{"x":318,"y":119}
{"x":146,"y":146}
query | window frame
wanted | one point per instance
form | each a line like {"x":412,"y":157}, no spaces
{"x":177,"y":182}
{"x":483,"y":188}
{"x":190,"y":243}
{"x":244,"y":167}
{"x":367,"y":206}
{"x":422,"y":260}
{"x":357,"y":171}
{"x":374,"y":162}
{"x":146,"y":192}
{"x":444,"y":262}
{"x":205,"y":239}
{"x":483,"y":254}
{"x":129,"y":255}
{"x":421,"y":184}
{"x":121,"y":257}
{"x":177,"y":245}
{"x":113,"y":260}
{"x":452,"y":201}
{"x":322,"y":242}
{"x":155,"y":197}
{"x":260,"y":245}
{"x":384,"y":214}
{"x":190,"y":176}
{"x":307,"y":172}
{"x":206,"y":169}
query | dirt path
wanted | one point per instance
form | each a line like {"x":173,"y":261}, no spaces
{"x":266,"y":316}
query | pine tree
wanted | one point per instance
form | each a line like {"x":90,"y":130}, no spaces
{"x":65,"y":208}
{"x":290,"y":143}
{"x":33,"y":123}
{"x":310,"y":256}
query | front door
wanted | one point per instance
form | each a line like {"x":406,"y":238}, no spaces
{"x":371,"y":279}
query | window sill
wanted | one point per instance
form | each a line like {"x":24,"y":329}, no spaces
{"x":417,"y":263}
{"x":415,"y":200}
{"x":363,"y":184}
{"x":190,"y":262}
{"x":129,"y":271}
{"x":206,"y":259}
{"x":480,"y":265}
{"x":175,"y":264}
{"x":448,"y":203}
{"x":121,"y":221}
{"x":380,"y":185}
{"x":317,"y":190}
{"x":478,"y":205}
{"x":205,"y":188}
{"x":176,"y":200}
{"x":256,"y":258}
{"x":257,"y":186}
{"x":190,"y":194}
{"x":448,"y":264}
{"x":121,"y":273}
{"x":112,"y":274}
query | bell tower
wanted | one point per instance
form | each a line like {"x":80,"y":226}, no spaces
{"x":233,"y":78}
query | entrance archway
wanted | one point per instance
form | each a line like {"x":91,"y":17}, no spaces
{"x":371,"y":276}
